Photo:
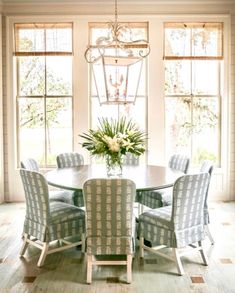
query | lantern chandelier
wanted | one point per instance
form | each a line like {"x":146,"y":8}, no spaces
{"x":116,"y":63}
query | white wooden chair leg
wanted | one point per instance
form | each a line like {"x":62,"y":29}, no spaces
{"x":43,"y":254}
{"x":178,"y":261}
{"x":203,"y":254}
{"x":208,"y":233}
{"x":141,"y":247}
{"x":25,"y":244}
{"x":83,"y":242}
{"x":129,"y":268}
{"x":89,"y":269}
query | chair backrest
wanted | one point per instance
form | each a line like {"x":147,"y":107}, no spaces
{"x":207,"y":166}
{"x":109,"y":207}
{"x":69,"y":160}
{"x":29,"y":164}
{"x":36,"y":195}
{"x":179,"y":163}
{"x":130,"y":160}
{"x":189,"y":192}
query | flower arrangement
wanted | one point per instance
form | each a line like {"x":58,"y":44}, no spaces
{"x":113,"y":139}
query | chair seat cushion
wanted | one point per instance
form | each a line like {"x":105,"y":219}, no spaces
{"x":163,"y":195}
{"x":160,"y":217}
{"x":62,"y":212}
{"x":65,"y":196}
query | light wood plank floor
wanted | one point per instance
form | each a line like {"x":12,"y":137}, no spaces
{"x":66,"y":271}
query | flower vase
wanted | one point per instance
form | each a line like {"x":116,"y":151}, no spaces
{"x":114,"y":165}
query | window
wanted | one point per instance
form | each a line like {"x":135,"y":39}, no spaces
{"x":137,"y":111}
{"x":193,"y":65}
{"x":43,"y":62}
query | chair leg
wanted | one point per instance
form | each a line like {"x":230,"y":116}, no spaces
{"x":141,"y":247}
{"x":129,"y":268}
{"x":43,"y":254}
{"x":208,"y":233}
{"x":178,"y":261}
{"x":25,"y":244}
{"x":89,"y":269}
{"x":203,"y":254}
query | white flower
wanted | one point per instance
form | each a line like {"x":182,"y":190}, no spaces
{"x":121,"y":135}
{"x":127,"y":144}
{"x":113,"y":144}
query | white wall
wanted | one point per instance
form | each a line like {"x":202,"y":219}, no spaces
{"x":1,"y":122}
{"x":223,"y":185}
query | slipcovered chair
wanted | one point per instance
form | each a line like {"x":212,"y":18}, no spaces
{"x":162,"y":197}
{"x":207,"y":166}
{"x":109,"y":222}
{"x":179,"y":225}
{"x":54,"y":195}
{"x":70,"y":160}
{"x":47,"y":221}
{"x":130,"y":160}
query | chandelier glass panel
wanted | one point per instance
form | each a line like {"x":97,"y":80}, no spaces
{"x":116,"y":55}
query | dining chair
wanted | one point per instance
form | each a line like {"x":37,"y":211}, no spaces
{"x":179,"y":225}
{"x":70,"y":160}
{"x":130,"y":160}
{"x":54,"y":195}
{"x":109,"y":222}
{"x":162,"y":197}
{"x":47,"y":221}
{"x":207,"y":167}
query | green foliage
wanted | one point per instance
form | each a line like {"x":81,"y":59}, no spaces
{"x":202,"y":155}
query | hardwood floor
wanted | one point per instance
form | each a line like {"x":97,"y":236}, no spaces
{"x":66,"y":271}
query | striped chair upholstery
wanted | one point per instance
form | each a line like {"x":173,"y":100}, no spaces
{"x":109,"y":220}
{"x":48,"y":221}
{"x":70,"y":160}
{"x":182,"y":223}
{"x":54,"y":195}
{"x":29,"y":164}
{"x":163,"y":197}
{"x":207,"y":167}
{"x":130,"y":160}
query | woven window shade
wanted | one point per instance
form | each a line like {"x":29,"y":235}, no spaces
{"x":193,"y":41}
{"x":43,"y":39}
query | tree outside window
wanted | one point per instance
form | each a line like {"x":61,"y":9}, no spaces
{"x":44,"y":90}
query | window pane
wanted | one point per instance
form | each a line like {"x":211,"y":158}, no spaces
{"x":177,"y":78}
{"x":59,"y":75}
{"x":206,"y":130}
{"x":58,"y":127}
{"x":59,"y":40}
{"x":177,"y":42}
{"x":205,"y":77}
{"x":30,"y":40}
{"x":31,"y":128}
{"x":206,"y":41}
{"x":31,"y":76}
{"x":178,"y":126}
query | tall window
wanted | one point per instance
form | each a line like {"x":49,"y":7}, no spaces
{"x":193,"y":54}
{"x":43,"y":59}
{"x":137,"y":111}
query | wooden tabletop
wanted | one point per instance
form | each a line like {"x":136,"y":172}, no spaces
{"x":145,"y":177}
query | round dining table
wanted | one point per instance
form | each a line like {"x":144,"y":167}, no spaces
{"x":146,"y":177}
